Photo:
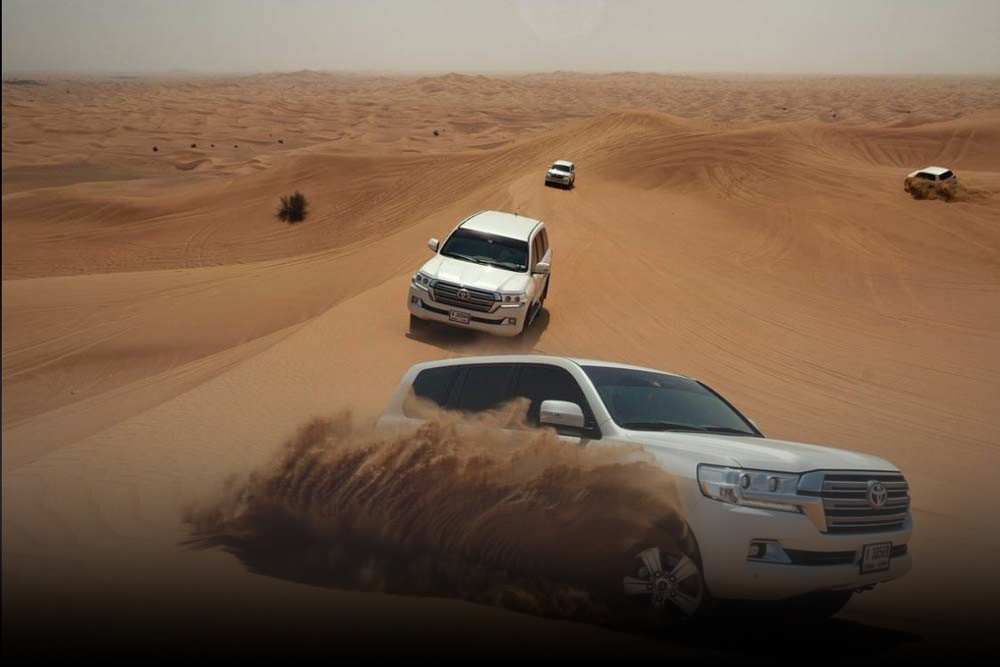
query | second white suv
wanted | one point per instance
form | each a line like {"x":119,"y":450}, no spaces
{"x":931,"y":181}
{"x":769,"y":520}
{"x":491,"y":274}
{"x":562,"y":172}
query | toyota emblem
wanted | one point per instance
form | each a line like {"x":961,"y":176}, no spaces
{"x":463,"y":294}
{"x":877,"y":494}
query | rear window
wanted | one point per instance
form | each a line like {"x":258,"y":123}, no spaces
{"x":434,"y":384}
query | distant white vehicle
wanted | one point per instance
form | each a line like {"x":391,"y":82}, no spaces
{"x":562,"y":172}
{"x":931,"y":180}
{"x":769,"y":520}
{"x":491,"y":274}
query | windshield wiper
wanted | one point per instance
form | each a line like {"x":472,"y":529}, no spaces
{"x":467,"y":258}
{"x":660,"y":426}
{"x":510,"y":265}
{"x":727,"y":429}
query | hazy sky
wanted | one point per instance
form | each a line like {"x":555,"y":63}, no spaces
{"x":836,"y":36}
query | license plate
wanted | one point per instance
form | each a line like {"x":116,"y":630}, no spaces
{"x":458,"y":316}
{"x":875,"y":557}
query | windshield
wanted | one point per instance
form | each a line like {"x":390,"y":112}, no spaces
{"x":945,"y":176}
{"x":560,"y":167}
{"x":649,"y":401}
{"x":482,"y":248}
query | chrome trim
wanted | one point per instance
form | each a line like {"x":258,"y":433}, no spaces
{"x":846,"y":505}
{"x":451,"y":294}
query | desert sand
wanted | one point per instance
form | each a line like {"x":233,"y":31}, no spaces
{"x":162,"y":330}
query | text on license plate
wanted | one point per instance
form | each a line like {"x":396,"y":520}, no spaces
{"x":875,"y":557}
{"x":458,"y":316}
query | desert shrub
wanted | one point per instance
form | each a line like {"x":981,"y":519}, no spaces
{"x":293,"y":208}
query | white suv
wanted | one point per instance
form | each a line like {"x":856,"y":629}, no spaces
{"x":928,"y":181}
{"x":562,"y":172}
{"x":769,"y":520}
{"x":491,"y":274}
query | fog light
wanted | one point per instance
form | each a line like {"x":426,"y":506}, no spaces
{"x":512,"y":321}
{"x":414,"y":299}
{"x":767,"y":551}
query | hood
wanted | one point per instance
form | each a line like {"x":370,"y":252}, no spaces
{"x":761,"y":453}
{"x":469,"y":274}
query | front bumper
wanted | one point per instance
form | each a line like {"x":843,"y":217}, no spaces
{"x":420,"y":304}
{"x":724,"y":533}
{"x":558,"y":180}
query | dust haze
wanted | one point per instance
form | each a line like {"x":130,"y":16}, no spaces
{"x":769,"y":36}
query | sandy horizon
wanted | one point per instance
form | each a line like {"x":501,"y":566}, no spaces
{"x":163,"y":331}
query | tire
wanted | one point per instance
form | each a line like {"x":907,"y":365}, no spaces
{"x":532,"y":314}
{"x":671,"y":585}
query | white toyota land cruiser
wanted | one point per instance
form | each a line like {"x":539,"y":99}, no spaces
{"x":562,"y":172}
{"x":770,"y":520}
{"x":491,"y":274}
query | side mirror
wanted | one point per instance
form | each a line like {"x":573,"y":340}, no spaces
{"x":433,"y":244}
{"x":542,"y":267}
{"x":561,"y":413}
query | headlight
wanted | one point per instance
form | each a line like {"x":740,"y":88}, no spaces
{"x":513,"y":299}
{"x":421,"y":280}
{"x":751,"y":488}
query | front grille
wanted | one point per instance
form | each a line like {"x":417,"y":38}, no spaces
{"x":448,"y":293}
{"x":847,"y":506}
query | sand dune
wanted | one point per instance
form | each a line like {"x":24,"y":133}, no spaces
{"x":162,"y":330}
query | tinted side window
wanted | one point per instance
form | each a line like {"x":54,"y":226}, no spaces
{"x":540,"y":383}
{"x":545,"y":243}
{"x":945,"y":176}
{"x":434,"y":384}
{"x":485,"y":387}
{"x":536,"y":249}
{"x":926,"y":176}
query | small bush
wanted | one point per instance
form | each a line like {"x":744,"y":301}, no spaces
{"x":293,"y":208}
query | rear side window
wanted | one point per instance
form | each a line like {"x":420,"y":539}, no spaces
{"x":434,"y":384}
{"x":925,"y":176}
{"x":485,"y":387}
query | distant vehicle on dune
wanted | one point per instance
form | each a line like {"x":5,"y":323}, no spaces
{"x":562,"y":172}
{"x":931,"y":181}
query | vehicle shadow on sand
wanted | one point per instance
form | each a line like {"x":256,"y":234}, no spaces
{"x":758,"y":633}
{"x":451,"y":339}
{"x":742,"y":631}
